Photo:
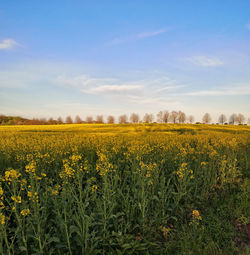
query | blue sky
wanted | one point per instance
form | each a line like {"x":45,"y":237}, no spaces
{"x":114,"y":57}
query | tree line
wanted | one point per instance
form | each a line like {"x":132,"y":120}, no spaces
{"x":160,"y":117}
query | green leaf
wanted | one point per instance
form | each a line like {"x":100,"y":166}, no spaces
{"x":53,"y":239}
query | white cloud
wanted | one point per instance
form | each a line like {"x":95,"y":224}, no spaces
{"x":111,"y":86}
{"x":7,"y":44}
{"x":137,"y":37}
{"x":82,"y":93}
{"x":107,"y":86}
{"x":205,"y":61}
{"x":170,"y":88}
{"x":151,"y":33}
{"x":155,"y":92}
{"x":84,"y":81}
{"x":224,"y":92}
{"x":116,"y":89}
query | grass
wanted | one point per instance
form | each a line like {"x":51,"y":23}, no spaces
{"x":124,"y":189}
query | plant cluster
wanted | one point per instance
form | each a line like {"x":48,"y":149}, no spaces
{"x":150,"y":189}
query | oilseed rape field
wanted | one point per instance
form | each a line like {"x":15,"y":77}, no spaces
{"x":124,"y":189}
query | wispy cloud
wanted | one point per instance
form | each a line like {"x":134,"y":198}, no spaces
{"x":157,"y":92}
{"x":7,"y":44}
{"x":116,"y":89}
{"x":151,"y":33}
{"x":110,"y":86}
{"x":170,"y":88}
{"x":107,"y":86}
{"x":84,"y":81}
{"x":205,"y":61}
{"x":137,"y":37}
{"x":89,"y":92}
{"x":222,"y":92}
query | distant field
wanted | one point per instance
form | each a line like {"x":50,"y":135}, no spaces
{"x":125,"y":128}
{"x":124,"y":189}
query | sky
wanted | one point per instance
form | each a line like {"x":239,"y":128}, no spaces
{"x":71,"y":57}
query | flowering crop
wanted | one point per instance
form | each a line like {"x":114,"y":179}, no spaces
{"x":98,"y":189}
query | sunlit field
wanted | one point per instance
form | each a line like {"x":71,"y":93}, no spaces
{"x":124,"y":189}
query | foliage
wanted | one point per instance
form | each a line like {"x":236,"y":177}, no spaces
{"x":124,"y":189}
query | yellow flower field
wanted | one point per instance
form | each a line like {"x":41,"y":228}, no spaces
{"x":115,"y":189}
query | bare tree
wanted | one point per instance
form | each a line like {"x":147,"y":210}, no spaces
{"x":181,"y":117}
{"x":59,"y":120}
{"x":206,"y":118}
{"x":111,"y":119}
{"x":233,"y":119}
{"x":134,"y":118}
{"x":174,"y":116}
{"x":78,"y":120}
{"x":89,"y":119}
{"x":148,"y":118}
{"x":69,"y":120}
{"x":163,"y":116}
{"x":99,"y":119}
{"x":166,"y":116}
{"x":240,"y":118}
{"x":222,"y":119}
{"x":191,"y":119}
{"x":123,"y":119}
{"x":160,"y":116}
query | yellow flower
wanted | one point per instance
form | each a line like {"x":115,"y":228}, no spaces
{"x":76,"y":158}
{"x":94,"y":188}
{"x":165,"y":231}
{"x":31,"y":167}
{"x":11,"y":175}
{"x":196,"y":215}
{"x":23,"y":183}
{"x":25,"y":212}
{"x":184,"y":172}
{"x":1,"y":191}
{"x":103,"y":166}
{"x":1,"y":204}
{"x":17,"y":199}
{"x":33,"y":196}
{"x":68,"y":170}
{"x":2,"y":219}
{"x":55,"y":192}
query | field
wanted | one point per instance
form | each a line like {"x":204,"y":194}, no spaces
{"x":124,"y":189}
